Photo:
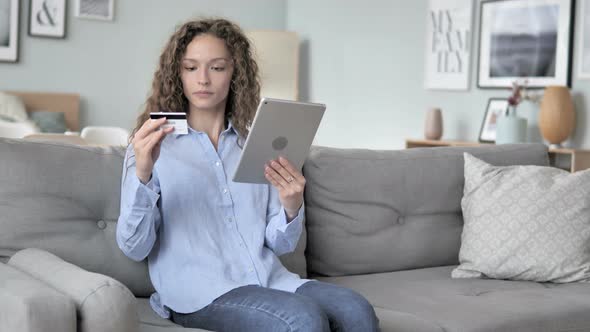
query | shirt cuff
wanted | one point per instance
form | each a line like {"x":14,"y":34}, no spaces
{"x":294,"y":224}
{"x":146,"y":195}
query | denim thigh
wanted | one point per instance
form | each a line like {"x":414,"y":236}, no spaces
{"x":255,"y":308}
{"x":347,"y":310}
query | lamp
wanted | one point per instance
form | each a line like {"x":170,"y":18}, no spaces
{"x":557,"y":117}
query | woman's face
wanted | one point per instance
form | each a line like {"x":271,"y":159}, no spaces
{"x":206,"y":72}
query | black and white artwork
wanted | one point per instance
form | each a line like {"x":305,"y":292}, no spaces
{"x":47,"y":18}
{"x":95,"y":9}
{"x":9,"y":11}
{"x":525,"y":40}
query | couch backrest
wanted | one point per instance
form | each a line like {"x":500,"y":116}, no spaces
{"x":65,"y":199}
{"x":375,"y":211}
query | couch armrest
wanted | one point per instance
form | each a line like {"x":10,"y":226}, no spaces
{"x":102,"y":303}
{"x":29,"y":305}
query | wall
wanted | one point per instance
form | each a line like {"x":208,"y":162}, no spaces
{"x":365,"y":60}
{"x":111,"y":64}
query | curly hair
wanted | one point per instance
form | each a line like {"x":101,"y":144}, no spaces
{"x":244,"y":94}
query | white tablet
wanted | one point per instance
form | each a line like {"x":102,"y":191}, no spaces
{"x":280,"y":128}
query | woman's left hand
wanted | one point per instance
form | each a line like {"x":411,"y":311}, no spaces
{"x":289,"y":182}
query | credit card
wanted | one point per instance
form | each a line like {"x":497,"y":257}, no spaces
{"x":173,"y":119}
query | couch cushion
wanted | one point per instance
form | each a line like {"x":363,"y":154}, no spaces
{"x":525,"y":223}
{"x":102,"y":303}
{"x":377,"y":211}
{"x":150,"y":321}
{"x":65,"y":199}
{"x":430,"y":300}
{"x":29,"y":305}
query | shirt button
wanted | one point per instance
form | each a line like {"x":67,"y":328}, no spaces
{"x":217,"y":163}
{"x":225,"y":191}
{"x":229,"y":219}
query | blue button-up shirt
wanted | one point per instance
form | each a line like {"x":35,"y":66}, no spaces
{"x":203,"y":234}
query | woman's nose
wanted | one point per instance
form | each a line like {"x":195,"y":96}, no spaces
{"x":203,"y":77}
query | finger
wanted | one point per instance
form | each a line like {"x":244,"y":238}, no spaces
{"x":277,"y":177}
{"x":291,"y":169}
{"x":157,"y":137}
{"x":272,"y":181}
{"x":149,"y":126}
{"x":288,"y":177}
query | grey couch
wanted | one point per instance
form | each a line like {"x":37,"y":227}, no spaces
{"x":385,"y":223}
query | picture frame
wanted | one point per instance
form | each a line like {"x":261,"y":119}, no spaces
{"x":525,"y":40}
{"x":47,"y":18}
{"x":9,"y":30}
{"x":449,"y":37}
{"x":494,"y":109}
{"x":584,"y":42}
{"x":95,"y":9}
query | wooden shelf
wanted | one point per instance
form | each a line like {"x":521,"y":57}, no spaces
{"x":572,"y":160}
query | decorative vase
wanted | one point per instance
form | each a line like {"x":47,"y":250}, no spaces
{"x":557,"y":117}
{"x":433,"y":127}
{"x":510,"y":128}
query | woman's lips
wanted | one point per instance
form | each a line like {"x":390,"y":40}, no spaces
{"x":203,"y":93}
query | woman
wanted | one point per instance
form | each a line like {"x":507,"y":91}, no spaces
{"x":212,"y":244}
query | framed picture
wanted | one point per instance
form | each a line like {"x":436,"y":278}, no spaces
{"x":525,"y":40}
{"x":9,"y":11}
{"x":47,"y":18}
{"x":95,"y":9}
{"x":584,"y":55}
{"x":496,"y":107}
{"x":448,"y":44}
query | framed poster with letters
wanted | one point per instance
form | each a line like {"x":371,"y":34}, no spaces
{"x":448,"y":44}
{"x":47,"y":18}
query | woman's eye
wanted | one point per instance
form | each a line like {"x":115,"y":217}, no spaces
{"x":190,"y":68}
{"x":218,"y":68}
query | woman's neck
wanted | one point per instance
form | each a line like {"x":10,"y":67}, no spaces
{"x":208,"y":121}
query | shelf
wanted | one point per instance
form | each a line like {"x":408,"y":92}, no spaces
{"x":568,"y":159}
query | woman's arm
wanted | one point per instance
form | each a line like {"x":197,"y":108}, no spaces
{"x":140,"y":215}
{"x":281,"y":235}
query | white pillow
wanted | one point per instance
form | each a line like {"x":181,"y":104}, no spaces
{"x":12,"y":107}
{"x":524,"y":223}
{"x":18,"y":129}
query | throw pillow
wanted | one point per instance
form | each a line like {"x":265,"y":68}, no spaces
{"x":49,"y":122}
{"x":12,"y":107}
{"x":524,"y":223}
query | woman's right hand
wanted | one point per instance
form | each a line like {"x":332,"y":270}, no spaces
{"x":146,"y":145}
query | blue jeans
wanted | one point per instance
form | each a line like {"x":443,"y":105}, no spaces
{"x":314,"y":307}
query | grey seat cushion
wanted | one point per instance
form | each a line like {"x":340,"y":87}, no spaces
{"x":149,"y":321}
{"x":430,"y":300}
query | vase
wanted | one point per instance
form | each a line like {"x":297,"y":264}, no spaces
{"x":433,"y":126}
{"x":511,"y":128}
{"x":557,"y":117}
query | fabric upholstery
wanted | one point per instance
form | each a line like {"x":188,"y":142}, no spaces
{"x":430,"y":300}
{"x":102,"y":303}
{"x":377,"y":211}
{"x":525,"y":223}
{"x":150,"y":321}
{"x":29,"y":305}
